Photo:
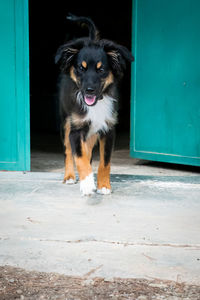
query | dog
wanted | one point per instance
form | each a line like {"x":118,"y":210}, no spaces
{"x":91,"y":69}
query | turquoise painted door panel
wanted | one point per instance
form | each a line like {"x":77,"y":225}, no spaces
{"x":165,"y":108}
{"x":14,"y":86}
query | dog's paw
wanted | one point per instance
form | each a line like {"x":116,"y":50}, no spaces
{"x":87,"y":185}
{"x":104,"y":191}
{"x":69,"y":181}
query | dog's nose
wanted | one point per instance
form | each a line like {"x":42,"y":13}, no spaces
{"x":90,"y":90}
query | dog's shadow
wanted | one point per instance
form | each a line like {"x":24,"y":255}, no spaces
{"x":94,"y":199}
{"x":97,"y":199}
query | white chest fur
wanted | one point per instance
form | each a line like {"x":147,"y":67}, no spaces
{"x":101,"y":115}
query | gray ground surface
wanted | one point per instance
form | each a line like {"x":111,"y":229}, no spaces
{"x":147,"y":228}
{"x":141,"y":242}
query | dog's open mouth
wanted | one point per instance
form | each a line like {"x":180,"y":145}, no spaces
{"x":90,"y":99}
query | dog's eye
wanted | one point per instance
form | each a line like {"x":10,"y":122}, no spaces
{"x":101,"y":70}
{"x":81,"y":68}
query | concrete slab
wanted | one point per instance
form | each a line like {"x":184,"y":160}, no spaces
{"x":147,"y":228}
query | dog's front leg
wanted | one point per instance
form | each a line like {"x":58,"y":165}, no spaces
{"x":103,"y":177}
{"x":81,"y":152}
{"x":69,"y":176}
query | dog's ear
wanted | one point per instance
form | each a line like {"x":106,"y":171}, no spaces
{"x":65,"y":56}
{"x":118,"y":56}
{"x":66,"y":53}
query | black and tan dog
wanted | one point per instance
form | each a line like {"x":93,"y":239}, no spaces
{"x":91,"y":70}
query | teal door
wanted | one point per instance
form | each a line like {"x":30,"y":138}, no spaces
{"x":165,"y":108}
{"x":14,"y":86}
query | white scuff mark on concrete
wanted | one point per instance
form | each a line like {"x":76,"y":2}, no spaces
{"x":168,"y":184}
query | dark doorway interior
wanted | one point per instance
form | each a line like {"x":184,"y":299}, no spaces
{"x":48,"y":30}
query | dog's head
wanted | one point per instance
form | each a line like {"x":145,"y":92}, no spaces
{"x":93,"y":65}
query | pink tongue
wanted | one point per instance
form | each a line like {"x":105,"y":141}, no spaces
{"x":89,"y":100}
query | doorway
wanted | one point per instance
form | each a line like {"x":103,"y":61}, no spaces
{"x":48,"y":30}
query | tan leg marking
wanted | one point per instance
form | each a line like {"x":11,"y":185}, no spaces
{"x":90,"y":145}
{"x":69,"y":164}
{"x":83,"y":162}
{"x":103,"y":177}
{"x":87,"y":184}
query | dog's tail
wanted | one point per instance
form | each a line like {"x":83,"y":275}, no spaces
{"x":93,"y":32}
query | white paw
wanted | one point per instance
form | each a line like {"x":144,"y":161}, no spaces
{"x":87,"y":185}
{"x":104,"y":191}
{"x":70,"y":181}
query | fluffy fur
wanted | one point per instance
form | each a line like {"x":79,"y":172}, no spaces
{"x":91,"y":70}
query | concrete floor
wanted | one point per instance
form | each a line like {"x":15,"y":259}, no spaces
{"x":147,"y":228}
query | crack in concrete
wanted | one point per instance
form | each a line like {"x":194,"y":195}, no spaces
{"x":92,"y":271}
{"x":125,"y":244}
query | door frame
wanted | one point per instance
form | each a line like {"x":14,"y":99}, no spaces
{"x":21,"y":84}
